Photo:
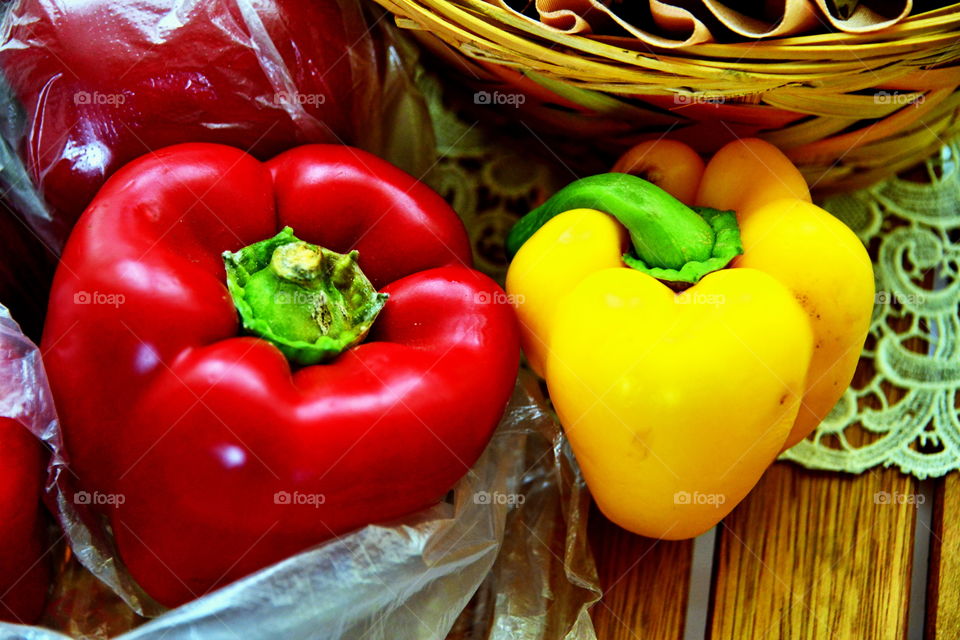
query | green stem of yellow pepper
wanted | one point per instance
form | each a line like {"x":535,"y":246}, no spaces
{"x":671,"y":241}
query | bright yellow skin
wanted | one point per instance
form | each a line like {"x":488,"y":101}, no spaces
{"x":829,"y":272}
{"x":665,"y":396}
{"x":661,"y":393}
{"x":555,"y":258}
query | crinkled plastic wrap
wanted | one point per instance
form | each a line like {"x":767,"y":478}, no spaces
{"x":523,"y":505}
{"x":99,"y":83}
{"x":545,"y":579}
{"x":504,"y":557}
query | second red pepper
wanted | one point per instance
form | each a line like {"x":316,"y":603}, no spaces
{"x":24,"y":569}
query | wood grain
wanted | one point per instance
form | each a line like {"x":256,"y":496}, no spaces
{"x":817,"y":555}
{"x":943,"y":596}
{"x":812,"y":555}
{"x":644,"y":582}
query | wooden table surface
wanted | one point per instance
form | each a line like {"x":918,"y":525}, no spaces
{"x":806,"y":555}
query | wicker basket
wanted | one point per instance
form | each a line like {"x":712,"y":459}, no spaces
{"x":848,"y":109}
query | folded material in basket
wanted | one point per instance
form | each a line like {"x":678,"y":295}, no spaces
{"x":678,"y":24}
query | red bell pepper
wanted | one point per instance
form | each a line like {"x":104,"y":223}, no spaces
{"x":24,"y":574}
{"x":105,"y":81}
{"x":215,"y":453}
{"x":24,"y":571}
{"x":24,"y":564}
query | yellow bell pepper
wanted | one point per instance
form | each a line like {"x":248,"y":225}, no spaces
{"x":684,"y":351}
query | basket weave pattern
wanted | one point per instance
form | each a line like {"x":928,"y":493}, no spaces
{"x":848,"y":109}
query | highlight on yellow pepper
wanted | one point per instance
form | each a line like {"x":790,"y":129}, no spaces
{"x":685,"y":347}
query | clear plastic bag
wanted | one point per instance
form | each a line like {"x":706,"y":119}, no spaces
{"x":404,"y":580}
{"x":100,"y":83}
{"x":514,"y":528}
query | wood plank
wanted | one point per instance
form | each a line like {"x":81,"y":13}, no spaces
{"x":817,"y":555}
{"x":943,"y":597}
{"x":821,"y":555}
{"x":644,"y":582}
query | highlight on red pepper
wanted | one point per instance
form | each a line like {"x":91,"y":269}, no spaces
{"x":250,"y":358}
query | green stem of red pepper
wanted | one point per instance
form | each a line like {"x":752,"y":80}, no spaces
{"x":670,"y":241}
{"x":312,"y":303}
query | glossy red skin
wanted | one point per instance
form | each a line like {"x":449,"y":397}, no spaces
{"x":198,"y":428}
{"x":193,"y":77}
{"x":24,"y":572}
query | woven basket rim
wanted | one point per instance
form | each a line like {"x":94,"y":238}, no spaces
{"x":848,"y":109}
{"x":948,"y":16}
{"x":488,"y":31}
